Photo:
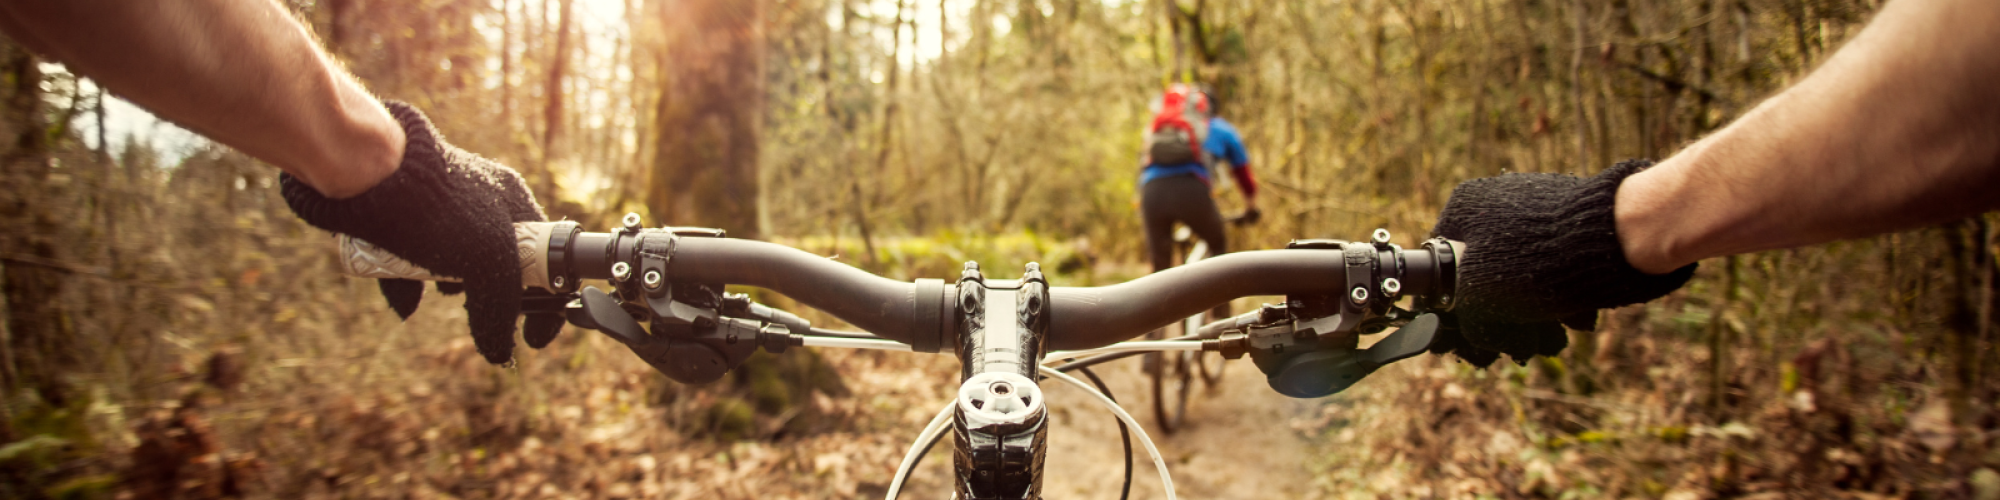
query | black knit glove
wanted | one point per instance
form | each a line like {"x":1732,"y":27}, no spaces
{"x":1541,"y":251}
{"x":449,"y":211}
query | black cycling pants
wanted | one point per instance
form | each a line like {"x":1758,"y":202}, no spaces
{"x":1183,"y":199}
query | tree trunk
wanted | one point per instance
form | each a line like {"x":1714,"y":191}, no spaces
{"x":9,"y":377}
{"x":507,"y":67}
{"x":705,"y":166}
{"x":103,"y":140}
{"x":886,"y":138}
{"x":1180,"y":71}
{"x":552,"y":112}
{"x":1582,"y":122}
{"x":41,"y":346}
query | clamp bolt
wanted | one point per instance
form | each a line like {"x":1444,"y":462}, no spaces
{"x":1360,"y":296}
{"x":631,"y":220}
{"x":1381,"y":236}
{"x":557,"y":281}
{"x":652,"y":279}
{"x":1391,"y":287}
{"x":621,"y":271}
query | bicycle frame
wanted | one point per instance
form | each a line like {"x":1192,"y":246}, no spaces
{"x":1195,"y":253}
{"x":1002,"y":330}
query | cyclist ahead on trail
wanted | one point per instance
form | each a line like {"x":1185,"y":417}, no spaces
{"x":1174,"y":182}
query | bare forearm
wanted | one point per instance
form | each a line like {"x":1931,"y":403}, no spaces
{"x":242,"y":72}
{"x":1899,"y":129}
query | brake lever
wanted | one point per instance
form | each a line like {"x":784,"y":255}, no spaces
{"x":1412,"y":339}
{"x":693,"y":359}
{"x":1328,"y":371}
{"x":598,"y":311}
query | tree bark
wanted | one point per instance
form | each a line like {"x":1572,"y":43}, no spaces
{"x":705,"y":166}
{"x":552,"y":112}
{"x":885,"y":139}
{"x":1173,"y":11}
{"x":9,"y":377}
{"x":103,"y":141}
{"x":1582,"y":122}
{"x":40,"y":343}
{"x":507,"y":66}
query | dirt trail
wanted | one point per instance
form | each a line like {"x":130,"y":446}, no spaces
{"x":1238,"y":443}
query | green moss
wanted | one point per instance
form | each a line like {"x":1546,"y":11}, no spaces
{"x":84,"y":487}
{"x":39,"y":450}
{"x":732,"y":419}
{"x":1788,"y":377}
{"x":1652,"y":487}
{"x":1672,"y":434}
{"x":1553,"y":367}
{"x":769,"y":390}
{"x":1595,"y":437}
{"x":65,"y":424}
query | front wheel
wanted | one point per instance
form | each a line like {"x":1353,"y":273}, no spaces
{"x":1173,"y":375}
{"x":1206,"y":364}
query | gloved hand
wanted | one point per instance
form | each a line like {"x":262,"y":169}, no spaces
{"x":1249,"y":217}
{"x":1541,"y":251}
{"x":449,"y":211}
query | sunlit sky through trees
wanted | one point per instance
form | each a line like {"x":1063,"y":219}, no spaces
{"x":602,"y":24}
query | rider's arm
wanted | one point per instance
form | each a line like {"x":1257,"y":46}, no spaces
{"x":1899,"y":129}
{"x":242,"y":72}
{"x":1246,"y":184}
{"x":1230,"y":145}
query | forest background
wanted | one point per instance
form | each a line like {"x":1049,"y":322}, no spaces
{"x":170,"y":329}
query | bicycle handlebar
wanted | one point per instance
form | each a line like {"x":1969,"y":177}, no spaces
{"x":1001,"y":329}
{"x":1085,"y":317}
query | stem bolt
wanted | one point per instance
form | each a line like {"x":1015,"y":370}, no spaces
{"x":621,"y":271}
{"x":557,"y":281}
{"x":1360,"y":295}
{"x":1391,"y":287}
{"x":1381,"y":236}
{"x":631,"y":220}
{"x":652,"y":279}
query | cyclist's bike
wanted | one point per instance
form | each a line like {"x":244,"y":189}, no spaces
{"x":1010,"y":334}
{"x":1172,"y":374}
